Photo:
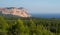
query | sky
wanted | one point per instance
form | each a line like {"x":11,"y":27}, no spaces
{"x":34,"y":6}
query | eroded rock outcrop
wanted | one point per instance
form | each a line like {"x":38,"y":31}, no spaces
{"x":22,"y":12}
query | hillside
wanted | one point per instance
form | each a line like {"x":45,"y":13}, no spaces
{"x":29,"y":26}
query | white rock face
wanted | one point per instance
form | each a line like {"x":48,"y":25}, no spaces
{"x":22,"y":12}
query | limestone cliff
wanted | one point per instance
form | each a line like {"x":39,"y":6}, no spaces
{"x":22,"y":12}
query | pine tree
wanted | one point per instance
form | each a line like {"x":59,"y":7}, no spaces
{"x":32,"y":27}
{"x":42,"y":31}
{"x":3,"y":26}
{"x":20,"y":27}
{"x":26,"y":30}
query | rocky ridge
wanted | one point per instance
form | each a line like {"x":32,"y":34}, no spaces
{"x":22,"y":12}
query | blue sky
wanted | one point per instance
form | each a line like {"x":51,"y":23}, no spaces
{"x":34,"y":6}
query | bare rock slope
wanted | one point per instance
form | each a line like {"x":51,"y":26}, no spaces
{"x":22,"y":12}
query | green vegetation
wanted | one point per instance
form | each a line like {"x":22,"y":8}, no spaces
{"x":29,"y":26}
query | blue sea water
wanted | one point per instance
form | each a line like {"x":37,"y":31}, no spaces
{"x":46,"y":15}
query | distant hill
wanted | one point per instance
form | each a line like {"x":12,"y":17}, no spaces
{"x":22,"y":12}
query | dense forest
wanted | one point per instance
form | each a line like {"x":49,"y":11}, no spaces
{"x":29,"y":26}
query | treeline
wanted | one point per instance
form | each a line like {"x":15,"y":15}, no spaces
{"x":29,"y":26}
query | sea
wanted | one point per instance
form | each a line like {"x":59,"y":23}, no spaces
{"x":46,"y":15}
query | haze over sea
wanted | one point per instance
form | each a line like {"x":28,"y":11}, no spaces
{"x":46,"y":15}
